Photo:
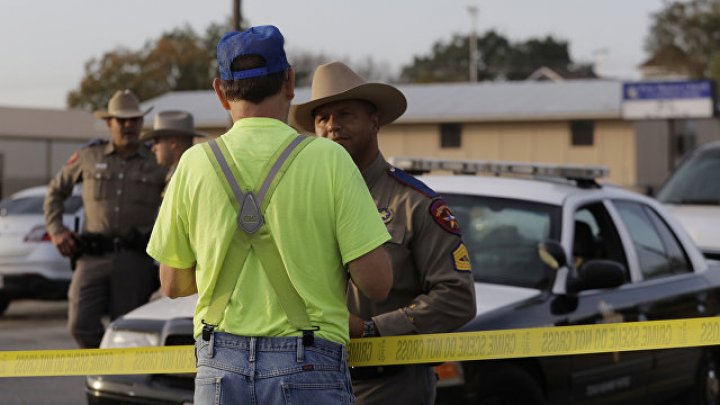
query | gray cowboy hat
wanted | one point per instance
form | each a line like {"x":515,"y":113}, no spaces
{"x":335,"y":81}
{"x":171,"y":123}
{"x":123,"y":104}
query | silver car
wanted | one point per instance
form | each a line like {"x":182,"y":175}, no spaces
{"x":692,"y":194}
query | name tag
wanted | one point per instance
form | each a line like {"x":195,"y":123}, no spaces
{"x":101,"y":166}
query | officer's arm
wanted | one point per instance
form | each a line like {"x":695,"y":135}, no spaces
{"x":372,"y":274}
{"x":59,"y":190}
{"x":448,"y":298}
{"x":176,"y":282}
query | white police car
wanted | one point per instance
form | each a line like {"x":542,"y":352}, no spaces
{"x":627,"y":260}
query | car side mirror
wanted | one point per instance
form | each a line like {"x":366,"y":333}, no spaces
{"x":597,"y":274}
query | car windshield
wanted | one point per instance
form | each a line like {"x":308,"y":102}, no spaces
{"x":34,"y":205}
{"x":502,"y":237}
{"x":694,"y":182}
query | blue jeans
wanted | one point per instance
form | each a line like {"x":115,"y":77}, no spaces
{"x":263,"y":370}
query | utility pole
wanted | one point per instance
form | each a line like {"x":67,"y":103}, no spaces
{"x":473,"y":56}
{"x":237,"y":14}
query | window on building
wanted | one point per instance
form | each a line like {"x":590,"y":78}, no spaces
{"x":582,"y":133}
{"x":450,"y":135}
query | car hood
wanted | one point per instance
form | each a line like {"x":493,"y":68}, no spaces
{"x":165,"y":308}
{"x":488,"y":297}
{"x":702,"y":223}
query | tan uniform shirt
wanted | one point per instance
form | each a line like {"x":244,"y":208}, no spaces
{"x":118,"y":193}
{"x":433,"y":289}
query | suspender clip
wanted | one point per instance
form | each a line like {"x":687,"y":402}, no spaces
{"x":308,"y":337}
{"x":207,"y":331}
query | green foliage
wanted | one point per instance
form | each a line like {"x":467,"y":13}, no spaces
{"x":498,"y":59}
{"x":685,"y":36}
{"x":179,"y":60}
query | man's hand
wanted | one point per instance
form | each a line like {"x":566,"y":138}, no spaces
{"x":356,"y":326}
{"x":64,"y":241}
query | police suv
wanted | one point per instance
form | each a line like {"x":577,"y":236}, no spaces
{"x":619,"y":257}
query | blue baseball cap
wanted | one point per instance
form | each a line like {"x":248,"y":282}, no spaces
{"x":264,"y":40}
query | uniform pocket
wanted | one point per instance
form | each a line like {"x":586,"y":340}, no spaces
{"x":145,"y":187}
{"x":315,"y":393}
{"x":100,"y":184}
{"x":208,"y":391}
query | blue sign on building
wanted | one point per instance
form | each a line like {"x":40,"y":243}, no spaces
{"x":668,"y":99}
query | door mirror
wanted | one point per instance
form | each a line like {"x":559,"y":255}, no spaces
{"x":597,"y":274}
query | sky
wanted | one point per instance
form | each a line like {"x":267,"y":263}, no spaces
{"x":44,"y":44}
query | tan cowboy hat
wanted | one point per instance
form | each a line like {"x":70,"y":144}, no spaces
{"x":123,"y":104}
{"x":335,"y":81}
{"x":171,"y":123}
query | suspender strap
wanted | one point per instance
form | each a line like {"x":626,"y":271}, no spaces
{"x":256,"y":236}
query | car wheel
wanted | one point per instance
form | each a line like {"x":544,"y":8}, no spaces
{"x":4,"y":303}
{"x":506,"y":384}
{"x":707,"y":382}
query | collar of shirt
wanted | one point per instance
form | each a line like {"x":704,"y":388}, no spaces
{"x":141,"y":150}
{"x":377,"y":168}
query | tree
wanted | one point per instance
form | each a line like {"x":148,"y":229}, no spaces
{"x":684,"y":36}
{"x":179,"y":60}
{"x":499,"y":59}
{"x":182,"y":60}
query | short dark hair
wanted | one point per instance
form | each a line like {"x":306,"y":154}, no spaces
{"x":254,"y":89}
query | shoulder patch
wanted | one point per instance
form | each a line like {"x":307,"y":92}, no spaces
{"x":441,"y":213}
{"x":410,"y":181}
{"x":73,"y":158}
{"x":461,"y":258}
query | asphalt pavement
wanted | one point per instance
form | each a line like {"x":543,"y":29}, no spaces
{"x":38,"y":325}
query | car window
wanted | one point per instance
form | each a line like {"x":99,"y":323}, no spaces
{"x":502,"y":237}
{"x":659,"y":252}
{"x":595,"y":236}
{"x":695,"y":181}
{"x":34,"y":205}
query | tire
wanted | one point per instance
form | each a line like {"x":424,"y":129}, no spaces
{"x":4,"y":303}
{"x":706,"y":390}
{"x":506,"y":384}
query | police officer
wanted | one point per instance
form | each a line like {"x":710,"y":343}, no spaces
{"x":432,"y":288}
{"x":172,"y":134}
{"x":121,"y":186}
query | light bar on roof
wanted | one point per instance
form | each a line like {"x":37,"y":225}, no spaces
{"x":458,"y":166}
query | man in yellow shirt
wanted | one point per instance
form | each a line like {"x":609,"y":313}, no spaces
{"x":318,"y":215}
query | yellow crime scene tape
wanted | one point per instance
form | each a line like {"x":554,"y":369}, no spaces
{"x":412,"y":349}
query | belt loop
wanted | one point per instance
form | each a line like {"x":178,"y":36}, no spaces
{"x":253,"y":343}
{"x":300,"y":347}
{"x":211,"y":347}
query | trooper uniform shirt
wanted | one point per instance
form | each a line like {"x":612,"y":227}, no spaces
{"x":119,"y":193}
{"x":433,"y":290}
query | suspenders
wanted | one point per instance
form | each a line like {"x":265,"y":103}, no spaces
{"x":252,"y":235}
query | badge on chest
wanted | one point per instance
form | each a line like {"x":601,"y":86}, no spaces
{"x":385,"y":214}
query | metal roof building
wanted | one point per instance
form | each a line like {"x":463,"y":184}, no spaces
{"x":449,"y":102}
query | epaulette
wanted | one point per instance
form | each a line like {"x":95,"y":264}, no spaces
{"x":95,"y":142}
{"x":410,"y":181}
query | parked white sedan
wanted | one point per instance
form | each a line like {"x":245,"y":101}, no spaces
{"x":692,"y":194}
{"x":30,"y":266}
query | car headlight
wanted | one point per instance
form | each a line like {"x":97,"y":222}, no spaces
{"x":118,"y":338}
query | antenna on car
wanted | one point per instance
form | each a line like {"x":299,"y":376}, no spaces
{"x":583,"y":176}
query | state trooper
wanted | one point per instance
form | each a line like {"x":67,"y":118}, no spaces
{"x":432,"y":288}
{"x":172,"y":134}
{"x":121,"y":186}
